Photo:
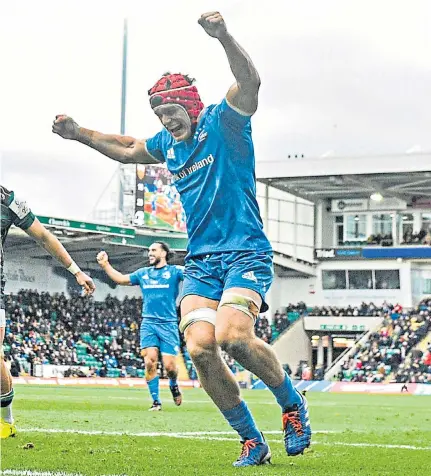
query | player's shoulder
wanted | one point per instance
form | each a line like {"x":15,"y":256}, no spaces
{"x":7,"y":196}
{"x":142,"y":271}
{"x":16,"y":204}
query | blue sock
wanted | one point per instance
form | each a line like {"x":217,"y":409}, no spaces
{"x":172,"y":382}
{"x":153,"y":387}
{"x":286,"y":394}
{"x":241,"y":420}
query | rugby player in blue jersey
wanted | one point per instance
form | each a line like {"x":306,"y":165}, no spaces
{"x":209,"y":152}
{"x":160,"y":284}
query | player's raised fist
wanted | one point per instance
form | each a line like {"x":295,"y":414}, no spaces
{"x":213,"y":23}
{"x":102,"y":258}
{"x":65,"y":127}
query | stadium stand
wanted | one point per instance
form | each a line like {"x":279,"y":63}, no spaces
{"x":45,"y":328}
{"x":385,"y":353}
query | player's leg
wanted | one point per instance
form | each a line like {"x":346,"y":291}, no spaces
{"x":151,"y":358}
{"x":235,"y":334}
{"x":217,"y":380}
{"x":249,"y":277}
{"x":150,"y":352}
{"x":169,"y":348}
{"x":7,"y":427}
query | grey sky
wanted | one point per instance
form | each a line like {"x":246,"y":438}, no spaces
{"x":348,"y":76}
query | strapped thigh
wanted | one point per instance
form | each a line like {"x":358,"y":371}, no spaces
{"x":245,"y":304}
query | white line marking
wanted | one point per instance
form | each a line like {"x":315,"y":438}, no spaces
{"x":182,"y":434}
{"x":28,"y":472}
{"x":218,"y":436}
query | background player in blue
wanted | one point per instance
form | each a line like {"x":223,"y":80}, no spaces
{"x":15,"y":211}
{"x":160,"y":285}
{"x":229,"y":269}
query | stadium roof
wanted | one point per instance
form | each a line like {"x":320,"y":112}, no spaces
{"x":125,"y":255}
{"x":406,"y":176}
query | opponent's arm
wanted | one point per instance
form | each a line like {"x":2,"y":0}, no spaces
{"x":116,"y":276}
{"x":124,"y":149}
{"x":243,"y":95}
{"x":53,"y":246}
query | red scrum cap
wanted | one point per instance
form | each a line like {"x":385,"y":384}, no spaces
{"x":177,"y":89}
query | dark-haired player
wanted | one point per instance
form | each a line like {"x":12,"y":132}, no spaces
{"x":159,"y":283}
{"x":15,"y":211}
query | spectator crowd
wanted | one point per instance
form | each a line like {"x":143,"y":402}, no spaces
{"x":45,"y":328}
{"x":385,"y":353}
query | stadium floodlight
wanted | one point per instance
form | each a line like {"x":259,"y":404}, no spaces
{"x":376,"y":197}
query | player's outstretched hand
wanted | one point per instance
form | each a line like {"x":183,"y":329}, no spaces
{"x":86,"y":282}
{"x":65,"y":127}
{"x":213,"y":23}
{"x":102,"y":258}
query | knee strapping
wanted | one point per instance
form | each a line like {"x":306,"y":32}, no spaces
{"x":204,"y":314}
{"x":7,"y":398}
{"x":242,"y":303}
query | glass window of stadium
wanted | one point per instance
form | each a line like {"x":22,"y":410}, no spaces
{"x":382,"y":224}
{"x":426,"y":221}
{"x":360,"y":279}
{"x":339,"y":230}
{"x":355,"y":228}
{"x":334,"y":279}
{"x":406,"y":224}
{"x":387,"y":278}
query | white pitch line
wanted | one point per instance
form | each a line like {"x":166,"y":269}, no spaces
{"x":182,"y":434}
{"x":28,"y":472}
{"x":218,"y":436}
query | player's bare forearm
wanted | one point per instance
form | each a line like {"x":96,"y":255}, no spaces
{"x":242,"y":66}
{"x":116,"y":276}
{"x":50,"y":243}
{"x":124,"y":149}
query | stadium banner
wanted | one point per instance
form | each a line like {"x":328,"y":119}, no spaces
{"x":354,"y":387}
{"x":88,"y":227}
{"x":157,"y":201}
{"x":98,"y":382}
{"x":49,"y":371}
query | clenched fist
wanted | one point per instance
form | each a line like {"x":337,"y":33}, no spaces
{"x":213,"y":23}
{"x":102,"y":258}
{"x":65,"y":127}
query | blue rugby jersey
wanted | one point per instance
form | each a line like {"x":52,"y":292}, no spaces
{"x":160,"y":288}
{"x":214,"y":172}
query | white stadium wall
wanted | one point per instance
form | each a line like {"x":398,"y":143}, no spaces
{"x":39,"y":275}
{"x":32,"y":274}
{"x":421,"y":281}
{"x":354,"y":297}
{"x":288,"y":222}
{"x":120,"y":292}
{"x":286,"y":291}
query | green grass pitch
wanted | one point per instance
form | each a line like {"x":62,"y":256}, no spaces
{"x":104,"y":431}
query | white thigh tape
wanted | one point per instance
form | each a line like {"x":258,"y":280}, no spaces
{"x":204,"y":314}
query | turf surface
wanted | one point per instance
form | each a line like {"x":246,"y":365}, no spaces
{"x":95,"y":431}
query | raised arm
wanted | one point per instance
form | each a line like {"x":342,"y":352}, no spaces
{"x":53,"y":246}
{"x":124,"y":149}
{"x":243,"y":95}
{"x":116,"y":276}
